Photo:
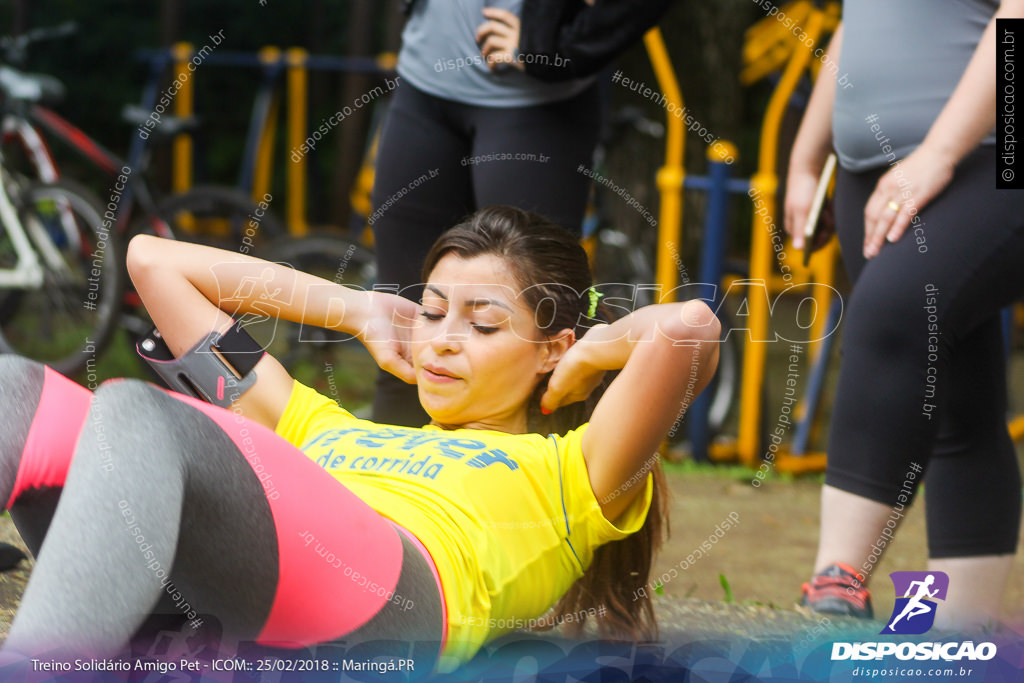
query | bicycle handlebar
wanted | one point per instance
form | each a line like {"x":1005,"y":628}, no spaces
{"x":14,"y":47}
{"x":24,"y":87}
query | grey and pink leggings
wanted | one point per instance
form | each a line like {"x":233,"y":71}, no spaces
{"x":136,"y":500}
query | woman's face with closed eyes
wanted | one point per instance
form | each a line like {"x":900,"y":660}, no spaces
{"x":477,"y":351}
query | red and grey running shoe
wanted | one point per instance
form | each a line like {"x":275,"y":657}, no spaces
{"x":838,"y":590}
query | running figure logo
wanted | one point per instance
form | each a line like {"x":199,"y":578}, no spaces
{"x":914,"y":613}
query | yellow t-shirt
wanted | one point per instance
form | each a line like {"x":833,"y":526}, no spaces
{"x":510,"y":519}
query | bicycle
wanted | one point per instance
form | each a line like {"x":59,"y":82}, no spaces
{"x":194,"y":212}
{"x":215,"y":215}
{"x":19,"y":138}
{"x":620,"y":253}
{"x":59,"y":285}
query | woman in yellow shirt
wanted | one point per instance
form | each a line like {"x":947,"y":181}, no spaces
{"x":530,"y":487}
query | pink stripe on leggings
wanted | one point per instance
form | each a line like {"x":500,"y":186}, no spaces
{"x":60,"y":416}
{"x":339,"y":559}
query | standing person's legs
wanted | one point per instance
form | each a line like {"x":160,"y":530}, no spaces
{"x":841,"y":541}
{"x":560,"y":136}
{"x":420,"y":190}
{"x":973,"y":485}
{"x":169,"y":495}
{"x":970,"y":269}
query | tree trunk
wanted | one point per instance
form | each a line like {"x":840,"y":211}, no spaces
{"x":21,"y":21}
{"x":170,"y":15}
{"x":352,"y":138}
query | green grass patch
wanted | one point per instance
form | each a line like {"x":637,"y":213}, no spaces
{"x":729,"y":597}
{"x":733,"y":471}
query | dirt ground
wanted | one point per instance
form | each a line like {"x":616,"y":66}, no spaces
{"x":764,"y":557}
{"x":771,"y":551}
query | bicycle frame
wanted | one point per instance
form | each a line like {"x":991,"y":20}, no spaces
{"x":34,"y":146}
{"x":28,"y":272}
{"x":26,"y":117}
{"x":102,"y":158}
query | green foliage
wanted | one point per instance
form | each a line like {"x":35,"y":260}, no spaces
{"x":735,"y":472}
{"x":729,"y":598}
{"x":739,"y":473}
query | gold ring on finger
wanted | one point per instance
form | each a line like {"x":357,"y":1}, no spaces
{"x":893,"y":206}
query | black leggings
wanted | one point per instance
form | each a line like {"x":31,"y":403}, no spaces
{"x":923,"y":373}
{"x":466,"y":154}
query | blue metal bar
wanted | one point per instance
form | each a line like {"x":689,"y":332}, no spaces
{"x":712,"y":259}
{"x":816,"y":383}
{"x":257,"y":122}
{"x":150,"y":92}
{"x":702,"y":183}
{"x":317,"y":63}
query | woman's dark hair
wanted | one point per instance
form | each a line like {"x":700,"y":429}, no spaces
{"x":553,"y":274}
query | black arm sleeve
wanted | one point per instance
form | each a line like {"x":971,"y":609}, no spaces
{"x":584,"y":37}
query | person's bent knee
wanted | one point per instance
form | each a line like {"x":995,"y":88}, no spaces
{"x":140,"y":418}
{"x":130,"y":399}
{"x":143,"y":255}
{"x":887,"y":320}
{"x":699,"y":322}
{"x":15,"y":369}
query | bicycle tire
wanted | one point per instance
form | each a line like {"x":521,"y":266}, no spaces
{"x":220,"y":217}
{"x":67,"y":321}
{"x":331,"y":362}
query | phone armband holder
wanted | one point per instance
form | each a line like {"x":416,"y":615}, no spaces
{"x":217,"y":370}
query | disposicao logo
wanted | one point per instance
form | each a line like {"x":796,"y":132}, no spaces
{"x":914,"y":613}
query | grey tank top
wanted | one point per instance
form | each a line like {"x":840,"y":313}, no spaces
{"x":440,"y":57}
{"x":900,"y":62}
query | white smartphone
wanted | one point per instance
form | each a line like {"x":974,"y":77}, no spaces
{"x":813,"y":225}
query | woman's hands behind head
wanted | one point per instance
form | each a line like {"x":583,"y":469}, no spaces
{"x":387,"y":332}
{"x":577,"y":373}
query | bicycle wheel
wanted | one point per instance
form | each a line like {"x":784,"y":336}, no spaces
{"x":68,"y":319}
{"x":331,"y":362}
{"x":220,"y":217}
